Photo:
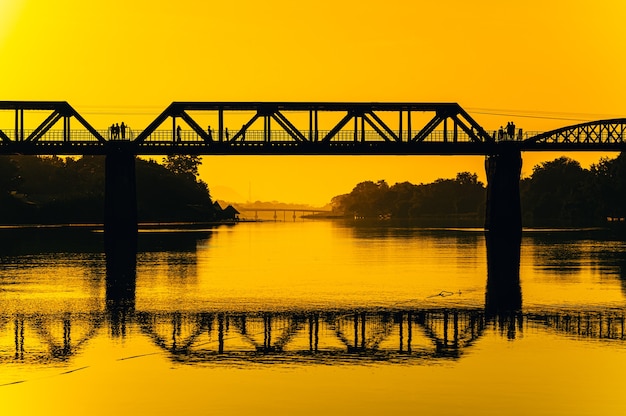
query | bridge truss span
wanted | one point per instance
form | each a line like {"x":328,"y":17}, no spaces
{"x":43,"y":132}
{"x":285,"y":128}
{"x":314,"y":128}
{"x":593,"y":135}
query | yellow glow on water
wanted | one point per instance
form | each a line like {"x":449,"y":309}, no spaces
{"x":534,"y":375}
{"x":313,"y":318}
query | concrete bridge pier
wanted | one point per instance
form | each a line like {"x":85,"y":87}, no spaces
{"x":503,"y":211}
{"x":120,"y":196}
{"x":503,"y":229}
{"x":120,"y":227}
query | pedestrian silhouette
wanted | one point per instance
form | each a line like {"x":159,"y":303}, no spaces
{"x":226,"y":133}
{"x":210,"y":133}
{"x":510,"y":130}
{"x":178,"y":133}
{"x":123,"y":130}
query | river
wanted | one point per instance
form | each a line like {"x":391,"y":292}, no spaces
{"x":309,"y":318}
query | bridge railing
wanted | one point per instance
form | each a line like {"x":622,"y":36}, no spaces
{"x":58,"y":135}
{"x":259,"y":136}
{"x":283,"y":136}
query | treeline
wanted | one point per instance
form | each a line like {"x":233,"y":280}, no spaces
{"x":47,"y":190}
{"x":557,"y":193}
{"x":460,"y":198}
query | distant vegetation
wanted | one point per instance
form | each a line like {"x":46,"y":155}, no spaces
{"x":461,"y":200}
{"x":68,"y":190}
{"x":557,"y":193}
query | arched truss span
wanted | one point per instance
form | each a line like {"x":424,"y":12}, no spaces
{"x":593,"y":135}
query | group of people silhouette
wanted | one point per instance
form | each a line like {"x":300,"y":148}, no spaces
{"x":509,"y":132}
{"x":118,"y":131}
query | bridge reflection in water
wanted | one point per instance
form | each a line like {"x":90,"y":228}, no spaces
{"x":300,"y":336}
{"x":297,"y":337}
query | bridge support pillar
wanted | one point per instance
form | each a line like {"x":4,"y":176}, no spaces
{"x":120,"y":226}
{"x":504,"y":213}
{"x":503,"y":229}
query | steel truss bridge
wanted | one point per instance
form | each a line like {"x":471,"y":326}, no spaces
{"x":291,"y":128}
{"x":296,"y":337}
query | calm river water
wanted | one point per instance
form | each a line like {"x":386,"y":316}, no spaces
{"x":309,"y":318}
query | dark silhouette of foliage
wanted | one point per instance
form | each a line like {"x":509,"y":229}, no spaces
{"x":462,"y":196}
{"x":558,"y":193}
{"x":55,"y":190}
{"x":183,"y":164}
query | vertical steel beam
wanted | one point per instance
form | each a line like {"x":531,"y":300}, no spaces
{"x":445,"y":129}
{"x":220,"y":124}
{"x":400,"y":126}
{"x":356,"y":129}
{"x":456,"y":132}
{"x":66,"y":128}
{"x":408,"y":126}
{"x":17,"y":125}
{"x":22,"y":125}
{"x":173,"y":129}
{"x":317,"y":130}
{"x":310,"y":125}
{"x":362,"y":129}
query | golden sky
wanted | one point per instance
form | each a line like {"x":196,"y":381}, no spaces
{"x":543,"y":64}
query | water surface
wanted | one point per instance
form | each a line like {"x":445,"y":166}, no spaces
{"x":309,"y":318}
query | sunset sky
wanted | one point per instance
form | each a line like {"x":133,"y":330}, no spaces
{"x":543,"y":64}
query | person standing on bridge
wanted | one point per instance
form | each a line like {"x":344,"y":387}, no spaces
{"x":510,"y":130}
{"x":226,"y":133}
{"x":123,"y":130}
{"x":178,"y":133}
{"x":210,"y":133}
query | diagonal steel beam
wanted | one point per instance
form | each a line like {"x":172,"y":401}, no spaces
{"x":71,"y":112}
{"x":195,"y":126}
{"x":245,"y":127}
{"x":482,"y":135}
{"x":43,"y":128}
{"x":428,"y":128}
{"x":4,"y":137}
{"x":292,"y":130}
{"x":376,"y":128}
{"x":338,"y":127}
{"x":384,"y":126}
{"x":169,"y":111}
{"x":468,"y":130}
{"x":288,"y":127}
